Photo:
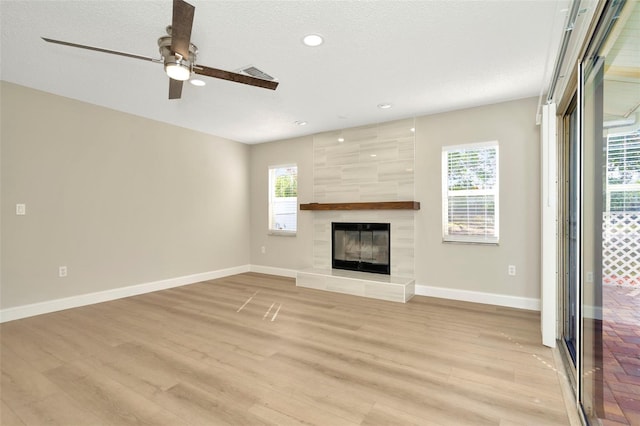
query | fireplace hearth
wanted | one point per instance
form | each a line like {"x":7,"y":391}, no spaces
{"x":361,"y":247}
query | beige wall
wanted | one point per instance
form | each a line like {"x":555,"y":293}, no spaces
{"x":120,"y":200}
{"x":451,"y":266}
{"x":477,"y":267}
{"x":285,"y":252}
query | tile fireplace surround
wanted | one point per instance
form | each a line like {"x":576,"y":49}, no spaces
{"x":376,"y":286}
{"x":365,"y":164}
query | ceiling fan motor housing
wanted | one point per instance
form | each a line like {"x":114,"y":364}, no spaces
{"x":176,"y":66}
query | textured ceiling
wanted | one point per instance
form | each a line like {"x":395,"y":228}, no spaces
{"x":420,"y":56}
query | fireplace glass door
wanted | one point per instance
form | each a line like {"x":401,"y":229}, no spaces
{"x":361,"y":247}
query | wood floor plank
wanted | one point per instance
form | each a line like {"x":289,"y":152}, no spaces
{"x":198,"y":405}
{"x":106,"y":398}
{"x":279,"y":408}
{"x":20,"y":383}
{"x":58,"y":409}
{"x":255,"y":349}
{"x":8,"y":417}
{"x":26,"y":345}
{"x":382,"y":414}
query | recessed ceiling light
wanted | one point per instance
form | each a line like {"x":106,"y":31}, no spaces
{"x":313,"y":40}
{"x":373,"y":155}
{"x":340,"y":139}
{"x":384,"y":106}
{"x":413,"y":129}
{"x":197,"y":82}
{"x":301,"y":123}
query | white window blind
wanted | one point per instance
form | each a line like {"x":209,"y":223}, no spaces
{"x":283,"y":199}
{"x":623,"y":172}
{"x":470,"y":193}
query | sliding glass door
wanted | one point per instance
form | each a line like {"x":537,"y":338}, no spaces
{"x":590,"y":272}
{"x":600,"y":228}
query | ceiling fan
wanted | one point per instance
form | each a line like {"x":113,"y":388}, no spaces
{"x":179,"y":54}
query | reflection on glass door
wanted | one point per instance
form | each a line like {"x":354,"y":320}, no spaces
{"x":590,"y":388}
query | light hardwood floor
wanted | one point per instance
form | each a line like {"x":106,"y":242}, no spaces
{"x":254,"y":349}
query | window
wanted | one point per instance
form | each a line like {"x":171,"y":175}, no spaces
{"x":283,"y":199}
{"x":470,"y":193}
{"x":623,"y":172}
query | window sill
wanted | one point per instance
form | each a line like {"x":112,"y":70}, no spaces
{"x":472,"y":243}
{"x":282,"y":233}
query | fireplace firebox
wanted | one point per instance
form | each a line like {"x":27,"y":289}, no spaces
{"x":361,"y":247}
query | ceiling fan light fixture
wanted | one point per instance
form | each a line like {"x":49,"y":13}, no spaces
{"x":177,"y":68}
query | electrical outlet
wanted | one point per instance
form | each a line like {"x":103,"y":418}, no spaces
{"x":21,"y":209}
{"x":62,"y":271}
{"x":512,"y":270}
{"x":263,"y":249}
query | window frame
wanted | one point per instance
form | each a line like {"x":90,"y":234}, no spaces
{"x":270,"y":201}
{"x":495,"y":192}
{"x":627,"y":154}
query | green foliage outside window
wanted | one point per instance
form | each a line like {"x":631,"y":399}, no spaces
{"x":287,"y":185}
{"x":471,"y":169}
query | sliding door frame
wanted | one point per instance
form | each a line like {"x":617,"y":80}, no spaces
{"x":572,"y":99}
{"x":564,"y":233}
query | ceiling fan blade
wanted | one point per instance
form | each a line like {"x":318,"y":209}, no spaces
{"x":99,"y":49}
{"x":175,"y":89}
{"x":181,"y":27}
{"x":233,"y":76}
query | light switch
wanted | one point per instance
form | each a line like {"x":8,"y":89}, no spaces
{"x":21,"y":209}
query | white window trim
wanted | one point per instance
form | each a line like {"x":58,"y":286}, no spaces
{"x":281,"y":233}
{"x":618,"y":187}
{"x":278,"y":232}
{"x":469,"y":239}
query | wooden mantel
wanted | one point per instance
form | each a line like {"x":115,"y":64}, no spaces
{"x":381,"y":205}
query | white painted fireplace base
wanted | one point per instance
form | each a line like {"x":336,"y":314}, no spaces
{"x":376,"y":286}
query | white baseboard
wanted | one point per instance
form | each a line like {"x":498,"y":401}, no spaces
{"x":46,"y":307}
{"x":269,"y":270}
{"x":440,"y":292}
{"x":24,"y":311}
{"x":479,"y":297}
